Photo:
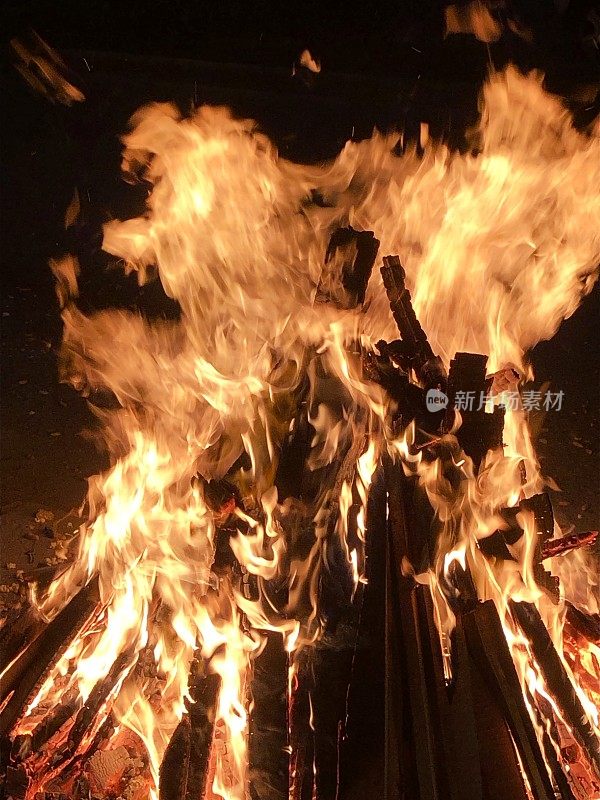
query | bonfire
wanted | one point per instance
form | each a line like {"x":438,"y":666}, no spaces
{"x":345,"y":373}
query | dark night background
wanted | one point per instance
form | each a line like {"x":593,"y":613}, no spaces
{"x":384,"y":64}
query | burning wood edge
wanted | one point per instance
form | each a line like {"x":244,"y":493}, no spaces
{"x":586,"y":626}
{"x":557,"y":680}
{"x":421,"y":357}
{"x":18,"y":632}
{"x":543,"y":721}
{"x":88,"y":713}
{"x":33,"y":760}
{"x":488,"y":646}
{"x":557,"y":547}
{"x":28,"y":669}
{"x":184,"y":768}
{"x":26,"y":745}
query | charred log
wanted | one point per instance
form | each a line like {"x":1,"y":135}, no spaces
{"x":557,"y":547}
{"x":550,"y":737}
{"x":301,"y":774}
{"x":557,"y":680}
{"x":332,"y":659}
{"x":184,"y":768}
{"x":488,"y":647}
{"x":483,"y":714}
{"x":31,"y":744}
{"x":467,"y":385}
{"x":415,"y":348}
{"x":27,"y":673}
{"x":87,"y":715}
{"x":362,"y":247}
{"x":586,"y":625}
{"x":362,"y":762}
{"x":268,"y":725}
{"x":19,"y":630}
{"x":497,"y":545}
{"x":412,"y":719}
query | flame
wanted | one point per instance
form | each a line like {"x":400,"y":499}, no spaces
{"x":499,"y":248}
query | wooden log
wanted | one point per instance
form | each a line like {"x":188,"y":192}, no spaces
{"x":44,"y":652}
{"x":301,"y":769}
{"x":30,"y":744}
{"x":332,"y":660}
{"x":501,"y":775}
{"x":19,"y":631}
{"x":546,"y":723}
{"x":558,"y":681}
{"x":586,"y":625}
{"x":202,"y":712}
{"x":479,"y":431}
{"x":184,"y":769}
{"x":68,"y":707}
{"x":356,"y":273}
{"x":557,"y":547}
{"x":415,"y":726}
{"x":73,"y":768}
{"x":174,"y":768}
{"x":268,"y":753}
{"x":488,"y":647}
{"x":362,"y":758}
{"x":418,"y":352}
{"x":86,"y":717}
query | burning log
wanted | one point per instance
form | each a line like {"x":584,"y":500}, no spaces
{"x":318,"y":714}
{"x":541,"y":508}
{"x":410,"y":689}
{"x":363,"y":247}
{"x":415,"y":347}
{"x":482,"y":741}
{"x":479,"y":431}
{"x":19,"y":630}
{"x":73,"y":769}
{"x":30,"y":744}
{"x":586,"y":625}
{"x":573,"y":541}
{"x":497,"y":545}
{"x":331,"y":664}
{"x":545,"y":722}
{"x":27,"y":672}
{"x":268,"y":725}
{"x":86,"y":716}
{"x":488,"y":648}
{"x":301,"y":769}
{"x":175,"y":764}
{"x":184,"y":768}
{"x":557,"y":680}
{"x":362,"y":756}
